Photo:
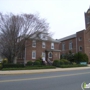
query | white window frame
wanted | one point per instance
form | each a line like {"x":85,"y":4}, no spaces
{"x":43,"y":36}
{"x":43,"y":54}
{"x":63,"y":46}
{"x":33,"y":57}
{"x":70,"y":45}
{"x":49,"y":54}
{"x":33,"y":43}
{"x":43,"y":44}
{"x":52,"y":45}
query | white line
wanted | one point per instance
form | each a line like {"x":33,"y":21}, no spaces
{"x":48,"y":77}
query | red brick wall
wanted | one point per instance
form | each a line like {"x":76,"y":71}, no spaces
{"x":81,"y":43}
{"x":56,"y":55}
{"x":38,"y":49}
{"x":87,"y":42}
{"x":67,"y":46}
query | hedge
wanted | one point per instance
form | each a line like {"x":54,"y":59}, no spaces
{"x":0,"y":66}
{"x":30,"y":68}
{"x":56,"y":63}
{"x":68,"y":66}
{"x":9,"y":65}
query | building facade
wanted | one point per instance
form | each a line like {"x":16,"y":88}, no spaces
{"x":42,"y":46}
{"x":78,"y":42}
{"x":73,"y":43}
{"x":45,"y":46}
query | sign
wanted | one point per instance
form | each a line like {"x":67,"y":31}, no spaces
{"x":83,"y":63}
{"x":85,"y":86}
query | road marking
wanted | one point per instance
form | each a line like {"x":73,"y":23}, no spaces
{"x":48,"y":77}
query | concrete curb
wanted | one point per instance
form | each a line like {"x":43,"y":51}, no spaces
{"x":12,"y":72}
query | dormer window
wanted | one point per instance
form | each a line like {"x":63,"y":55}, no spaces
{"x":44,"y":36}
{"x":33,"y":43}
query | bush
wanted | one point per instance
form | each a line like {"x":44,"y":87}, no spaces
{"x":56,"y":63}
{"x":64,"y":62}
{"x":0,"y":66}
{"x":29,"y":63}
{"x":80,"y":57}
{"x":9,"y":65}
{"x":74,"y":63}
{"x":61,"y":62}
{"x":85,"y":58}
{"x":4,"y":61}
{"x":68,"y":66}
{"x":37,"y":62}
{"x":30,"y":68}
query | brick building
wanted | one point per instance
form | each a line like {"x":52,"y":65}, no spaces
{"x":78,"y":42}
{"x":45,"y":46}
{"x":42,"y":45}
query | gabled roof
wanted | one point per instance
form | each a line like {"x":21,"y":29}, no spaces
{"x":36,"y":36}
{"x":68,"y":37}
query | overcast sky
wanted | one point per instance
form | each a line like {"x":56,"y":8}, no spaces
{"x":65,"y":17}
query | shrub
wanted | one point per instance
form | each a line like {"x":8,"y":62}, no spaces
{"x":64,"y":62}
{"x":5,"y":60}
{"x":74,"y":63}
{"x":61,"y":62}
{"x":85,"y":58}
{"x":56,"y":63}
{"x":68,"y":66}
{"x":80,"y":57}
{"x":29,"y":63}
{"x":0,"y":66}
{"x":9,"y":65}
{"x":37,"y":62}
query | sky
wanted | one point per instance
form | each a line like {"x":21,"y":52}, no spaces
{"x":65,"y":17}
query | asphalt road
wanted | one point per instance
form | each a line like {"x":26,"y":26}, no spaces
{"x":66,"y":80}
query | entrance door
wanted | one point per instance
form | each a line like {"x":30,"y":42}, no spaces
{"x":44,"y":55}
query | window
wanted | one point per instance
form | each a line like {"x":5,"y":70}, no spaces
{"x":44,"y":36}
{"x":52,"y":45}
{"x":80,"y":48}
{"x":43,"y":45}
{"x":33,"y":43}
{"x":88,"y":20}
{"x":63,"y":46}
{"x":80,"y":39}
{"x":33,"y":54}
{"x":43,"y":54}
{"x":70,"y":45}
{"x":50,"y":54}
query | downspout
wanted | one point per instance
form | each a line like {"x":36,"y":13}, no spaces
{"x":76,"y":42}
{"x":25,"y":55}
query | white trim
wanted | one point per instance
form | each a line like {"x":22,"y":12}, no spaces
{"x":33,"y":52}
{"x":63,"y":46}
{"x":52,"y":45}
{"x":33,"y":43}
{"x":43,"y":45}
{"x":49,"y":55}
{"x":70,"y":45}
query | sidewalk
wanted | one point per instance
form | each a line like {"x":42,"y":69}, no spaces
{"x":41,"y":70}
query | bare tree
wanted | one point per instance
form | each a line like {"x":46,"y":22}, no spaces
{"x":15,"y":30}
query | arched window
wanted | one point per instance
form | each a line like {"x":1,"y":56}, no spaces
{"x":50,"y":54}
